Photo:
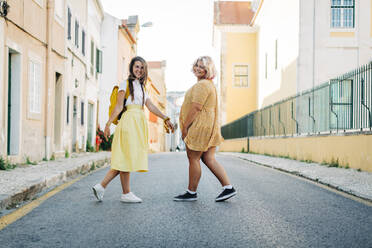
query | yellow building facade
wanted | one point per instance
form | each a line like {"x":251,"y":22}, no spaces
{"x":157,"y":92}
{"x":33,"y":58}
{"x":299,"y":48}
{"x":236,"y":43}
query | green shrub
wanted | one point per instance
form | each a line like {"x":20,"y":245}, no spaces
{"x":89,"y":147}
{"x":2,"y":164}
{"x":28,"y":161}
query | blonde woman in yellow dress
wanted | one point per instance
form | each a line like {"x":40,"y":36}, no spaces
{"x":129,"y":152}
{"x":201,"y":131}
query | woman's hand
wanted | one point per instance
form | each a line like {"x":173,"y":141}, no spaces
{"x":107,"y":131}
{"x":170,"y":126}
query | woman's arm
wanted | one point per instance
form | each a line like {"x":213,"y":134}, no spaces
{"x":117,"y":110}
{"x":153,"y":109}
{"x":194,"y":111}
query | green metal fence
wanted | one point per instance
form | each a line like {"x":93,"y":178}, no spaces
{"x":342,"y":104}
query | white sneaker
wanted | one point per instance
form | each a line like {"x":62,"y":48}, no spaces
{"x":130,"y":197}
{"x":98,"y":191}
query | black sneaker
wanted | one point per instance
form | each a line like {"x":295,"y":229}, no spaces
{"x":226,"y":194}
{"x":186,"y":197}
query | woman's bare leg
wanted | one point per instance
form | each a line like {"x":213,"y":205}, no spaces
{"x":194,"y":168}
{"x":209,"y":159}
{"x":125,"y":181}
{"x":111,"y":174}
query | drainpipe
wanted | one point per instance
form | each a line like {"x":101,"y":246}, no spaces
{"x":48,"y":77}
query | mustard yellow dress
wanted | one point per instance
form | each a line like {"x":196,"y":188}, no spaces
{"x":205,"y":131}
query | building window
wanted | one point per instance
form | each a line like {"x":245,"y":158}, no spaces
{"x":276,"y":54}
{"x":68,"y":109}
{"x":98,"y":61}
{"x":83,"y":42}
{"x":69,"y":23}
{"x":35,"y":87}
{"x":91,"y":57}
{"x":241,"y":75}
{"x":342,"y":13}
{"x":82,"y":113}
{"x":76,"y":33}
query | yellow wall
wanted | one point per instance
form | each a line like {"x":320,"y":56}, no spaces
{"x":342,"y":34}
{"x":240,"y":49}
{"x":157,"y":92}
{"x":234,"y":145}
{"x":350,"y":150}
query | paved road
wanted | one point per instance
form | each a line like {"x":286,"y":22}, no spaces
{"x":272,"y":209}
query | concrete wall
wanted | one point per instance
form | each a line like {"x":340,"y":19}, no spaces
{"x":124,"y":56}
{"x":109,"y":41}
{"x":281,"y":27}
{"x":353,"y":150}
{"x":234,"y":145}
{"x":327,"y":52}
{"x":25,"y":46}
{"x":95,"y":19}
{"x":74,"y":136}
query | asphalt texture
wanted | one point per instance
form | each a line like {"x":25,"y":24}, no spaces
{"x":271,"y":209}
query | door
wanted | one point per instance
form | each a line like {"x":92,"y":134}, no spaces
{"x":14,"y":103}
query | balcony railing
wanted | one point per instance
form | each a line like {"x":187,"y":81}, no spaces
{"x":340,"y":105}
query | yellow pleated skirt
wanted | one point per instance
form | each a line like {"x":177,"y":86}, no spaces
{"x":129,"y":150}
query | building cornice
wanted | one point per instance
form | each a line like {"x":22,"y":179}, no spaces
{"x":256,"y":13}
{"x":125,"y":27}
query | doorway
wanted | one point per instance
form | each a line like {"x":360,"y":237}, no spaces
{"x":74,"y":125}
{"x":90,"y":124}
{"x":14,"y":102}
{"x":58,"y":112}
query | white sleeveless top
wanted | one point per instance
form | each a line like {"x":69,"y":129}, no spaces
{"x":137,"y":92}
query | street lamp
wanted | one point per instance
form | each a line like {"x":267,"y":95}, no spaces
{"x":147,"y":24}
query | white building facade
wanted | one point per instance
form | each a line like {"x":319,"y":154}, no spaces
{"x":309,"y":42}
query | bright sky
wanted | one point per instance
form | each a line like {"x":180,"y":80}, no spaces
{"x":181,"y":32}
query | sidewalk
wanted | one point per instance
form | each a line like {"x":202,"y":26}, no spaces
{"x":347,"y":180}
{"x":25,"y":181}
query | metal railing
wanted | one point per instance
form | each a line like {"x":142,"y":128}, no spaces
{"x":342,"y":104}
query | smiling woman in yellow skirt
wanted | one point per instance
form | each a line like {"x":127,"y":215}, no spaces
{"x":129,"y":152}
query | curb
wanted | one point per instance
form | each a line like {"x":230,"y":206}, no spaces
{"x":11,"y":201}
{"x":316,"y":180}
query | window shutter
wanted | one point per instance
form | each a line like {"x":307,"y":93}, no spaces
{"x":68,"y":110}
{"x":68,"y":23}
{"x":92,"y":57}
{"x":98,"y":61}
{"x":82,"y":113}
{"x":83,"y":42}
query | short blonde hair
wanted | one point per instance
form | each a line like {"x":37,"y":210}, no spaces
{"x":210,"y":68}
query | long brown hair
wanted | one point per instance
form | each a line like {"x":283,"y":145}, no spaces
{"x":132,"y":77}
